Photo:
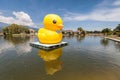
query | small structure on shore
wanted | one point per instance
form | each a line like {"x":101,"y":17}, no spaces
{"x":32,"y":32}
{"x":1,"y":34}
{"x":77,"y":32}
{"x":70,"y":32}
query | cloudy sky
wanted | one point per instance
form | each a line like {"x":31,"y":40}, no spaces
{"x":89,"y":14}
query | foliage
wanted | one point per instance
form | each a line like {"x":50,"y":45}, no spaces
{"x":15,"y":29}
{"x":80,"y":29}
{"x":106,"y":31}
{"x":117,"y":28}
{"x":116,"y":31}
{"x":94,"y":31}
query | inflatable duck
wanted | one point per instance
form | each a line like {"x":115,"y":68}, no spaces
{"x":51,"y":32}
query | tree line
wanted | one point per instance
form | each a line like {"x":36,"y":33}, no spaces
{"x":105,"y":31}
{"x":15,"y":29}
{"x":108,"y":31}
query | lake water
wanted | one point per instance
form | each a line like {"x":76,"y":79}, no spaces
{"x":84,"y":58}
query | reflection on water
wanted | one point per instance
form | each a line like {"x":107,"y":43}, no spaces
{"x":117,"y":45}
{"x":104,"y":41}
{"x":51,"y":59}
{"x":80,"y":38}
{"x":17,"y":40}
{"x":68,"y":36}
{"x":85,"y":58}
{"x":18,"y":44}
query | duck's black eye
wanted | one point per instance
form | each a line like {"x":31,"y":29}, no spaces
{"x":54,"y":21}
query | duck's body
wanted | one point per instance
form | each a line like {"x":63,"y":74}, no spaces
{"x":48,"y":36}
{"x":51,"y":32}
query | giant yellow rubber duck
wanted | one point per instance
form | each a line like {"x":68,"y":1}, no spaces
{"x":51,"y":32}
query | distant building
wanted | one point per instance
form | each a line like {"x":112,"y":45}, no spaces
{"x":68,"y":32}
{"x":32,"y":31}
{"x":1,"y":34}
{"x":77,"y":32}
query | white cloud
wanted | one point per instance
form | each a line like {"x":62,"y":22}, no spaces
{"x":6,"y":46}
{"x":21,"y":49}
{"x":20,"y":18}
{"x":117,"y":3}
{"x":106,"y":13}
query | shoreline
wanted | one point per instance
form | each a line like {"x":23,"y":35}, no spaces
{"x":113,"y":38}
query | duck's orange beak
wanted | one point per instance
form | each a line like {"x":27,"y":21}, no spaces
{"x":60,"y":26}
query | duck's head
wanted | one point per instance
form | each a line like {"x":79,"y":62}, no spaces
{"x":53,"y":22}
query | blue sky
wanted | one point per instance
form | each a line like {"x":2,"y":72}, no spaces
{"x":89,"y":14}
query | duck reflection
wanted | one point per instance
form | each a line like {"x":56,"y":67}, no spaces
{"x":52,"y":60}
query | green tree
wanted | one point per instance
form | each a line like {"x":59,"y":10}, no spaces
{"x":83,"y":32}
{"x":15,"y":29}
{"x":80,"y":29}
{"x":106,"y":31}
{"x":117,"y":28}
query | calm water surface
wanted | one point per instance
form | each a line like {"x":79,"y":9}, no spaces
{"x":85,"y":58}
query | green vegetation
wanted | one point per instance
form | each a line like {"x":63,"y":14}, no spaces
{"x":107,"y":31}
{"x":15,"y":29}
{"x":80,"y":29}
{"x":116,"y":31}
{"x":117,"y":28}
{"x":83,"y":32}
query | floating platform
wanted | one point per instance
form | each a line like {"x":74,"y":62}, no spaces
{"x":48,"y":46}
